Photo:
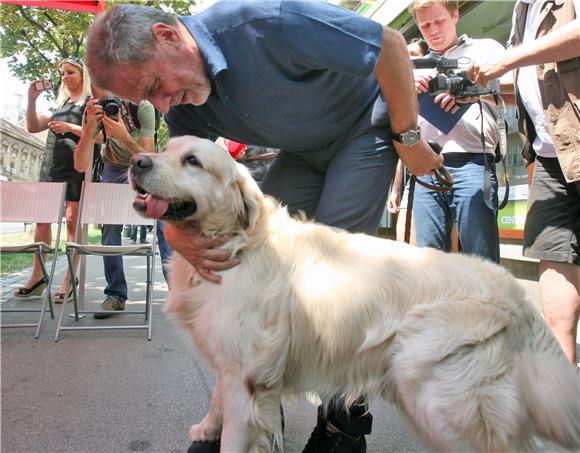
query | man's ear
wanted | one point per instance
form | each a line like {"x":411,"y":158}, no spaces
{"x":166,"y":34}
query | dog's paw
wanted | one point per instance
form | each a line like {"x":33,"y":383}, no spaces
{"x":203,"y":433}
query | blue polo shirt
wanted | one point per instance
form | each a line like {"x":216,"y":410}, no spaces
{"x":295,"y":75}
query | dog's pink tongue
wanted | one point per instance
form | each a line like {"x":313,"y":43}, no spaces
{"x":156,"y":207}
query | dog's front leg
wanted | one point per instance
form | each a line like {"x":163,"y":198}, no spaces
{"x":237,"y":406}
{"x":210,"y":427}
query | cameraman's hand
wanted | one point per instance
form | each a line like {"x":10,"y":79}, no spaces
{"x":421,"y":83}
{"x":482,"y":73}
{"x":115,"y":128}
{"x":419,"y":159}
{"x":447,"y":102}
{"x":94,"y":115}
{"x":200,"y":251}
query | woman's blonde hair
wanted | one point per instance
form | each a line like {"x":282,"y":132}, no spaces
{"x":64,"y":93}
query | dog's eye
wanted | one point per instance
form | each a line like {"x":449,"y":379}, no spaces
{"x":192,"y":160}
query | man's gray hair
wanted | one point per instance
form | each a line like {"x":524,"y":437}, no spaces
{"x":122,"y":34}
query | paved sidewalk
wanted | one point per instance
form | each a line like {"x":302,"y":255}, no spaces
{"x":114,"y":391}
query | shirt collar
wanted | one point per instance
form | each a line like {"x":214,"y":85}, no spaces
{"x":461,"y":41}
{"x":210,"y":52}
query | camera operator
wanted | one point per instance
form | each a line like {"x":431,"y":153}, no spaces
{"x":436,"y":212}
{"x":111,"y":120}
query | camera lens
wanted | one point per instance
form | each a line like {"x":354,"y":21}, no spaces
{"x":111,"y":108}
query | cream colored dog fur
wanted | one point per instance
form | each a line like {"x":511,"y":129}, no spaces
{"x":450,"y":339}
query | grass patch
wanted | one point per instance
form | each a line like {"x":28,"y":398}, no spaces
{"x":15,"y":262}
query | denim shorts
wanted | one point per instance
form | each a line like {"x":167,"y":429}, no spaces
{"x":552,"y":224}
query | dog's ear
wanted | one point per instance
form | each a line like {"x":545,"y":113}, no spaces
{"x":252,"y":196}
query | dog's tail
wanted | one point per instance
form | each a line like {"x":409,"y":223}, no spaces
{"x":550,"y":392}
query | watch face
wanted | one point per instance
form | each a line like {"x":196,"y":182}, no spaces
{"x":410,"y":138}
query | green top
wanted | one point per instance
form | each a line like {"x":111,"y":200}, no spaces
{"x":114,"y":153}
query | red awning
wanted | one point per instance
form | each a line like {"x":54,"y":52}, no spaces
{"x":85,"y":6}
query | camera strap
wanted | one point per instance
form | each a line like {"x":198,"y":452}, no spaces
{"x":502,"y":130}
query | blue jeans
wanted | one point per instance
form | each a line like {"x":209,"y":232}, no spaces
{"x":164,"y":249}
{"x":114,"y":272}
{"x":142,"y":233}
{"x":344,"y":185}
{"x":436,"y":212}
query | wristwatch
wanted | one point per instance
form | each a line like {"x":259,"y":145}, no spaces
{"x":408,"y":138}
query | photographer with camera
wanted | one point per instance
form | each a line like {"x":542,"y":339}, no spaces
{"x":467,"y":132}
{"x":114,"y":122}
{"x":64,"y":124}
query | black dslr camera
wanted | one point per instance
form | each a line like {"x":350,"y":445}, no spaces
{"x":448,"y":81}
{"x":111,"y":105}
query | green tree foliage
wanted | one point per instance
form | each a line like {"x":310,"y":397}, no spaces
{"x":34,"y":40}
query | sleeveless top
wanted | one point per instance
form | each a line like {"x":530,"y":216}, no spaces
{"x":59,"y":159}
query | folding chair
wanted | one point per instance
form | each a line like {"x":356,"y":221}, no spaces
{"x":109,"y":204}
{"x":33,"y":202}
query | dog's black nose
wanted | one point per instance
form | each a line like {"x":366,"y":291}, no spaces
{"x":141,"y":162}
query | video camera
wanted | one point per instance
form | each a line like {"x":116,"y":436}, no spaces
{"x":448,"y":81}
{"x":111,"y":105}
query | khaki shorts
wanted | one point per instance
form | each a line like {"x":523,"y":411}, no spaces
{"x":552,"y":227}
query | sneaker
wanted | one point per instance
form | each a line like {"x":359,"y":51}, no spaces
{"x":111,"y":303}
{"x":328,"y":438}
{"x":133,"y":241}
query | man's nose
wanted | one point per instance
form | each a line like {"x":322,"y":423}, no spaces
{"x":160,"y":102}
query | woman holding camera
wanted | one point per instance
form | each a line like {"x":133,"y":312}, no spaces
{"x":64,"y":123}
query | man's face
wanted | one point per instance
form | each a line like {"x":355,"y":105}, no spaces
{"x":165,"y":80}
{"x":438,"y":26}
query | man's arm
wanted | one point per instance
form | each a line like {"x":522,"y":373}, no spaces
{"x":83,"y":154}
{"x":395,"y":76}
{"x":560,"y":45}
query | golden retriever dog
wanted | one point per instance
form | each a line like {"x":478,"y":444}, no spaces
{"x":450,"y":339}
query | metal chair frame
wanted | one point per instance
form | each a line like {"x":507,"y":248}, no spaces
{"x":34,"y":202}
{"x":109,"y":204}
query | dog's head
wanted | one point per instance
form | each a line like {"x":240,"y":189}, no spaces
{"x":195,"y":181}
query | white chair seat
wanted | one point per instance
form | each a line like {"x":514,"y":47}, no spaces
{"x":27,"y":248}
{"x":33,"y":202}
{"x":110,"y":250}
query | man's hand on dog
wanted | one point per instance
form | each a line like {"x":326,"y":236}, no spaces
{"x":200,"y":252}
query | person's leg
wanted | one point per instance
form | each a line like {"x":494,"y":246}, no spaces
{"x":294,"y":181}
{"x":164,"y":250}
{"x":114,"y":272}
{"x":476,"y":222}
{"x":72,"y":212}
{"x":143,"y":234}
{"x":34,"y":285}
{"x":355,"y":190}
{"x":357,"y":181}
{"x":133,"y":233}
{"x":551,"y":234}
{"x":111,"y":235}
{"x":560,"y":298}
{"x":432,"y":217}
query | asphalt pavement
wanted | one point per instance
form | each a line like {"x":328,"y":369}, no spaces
{"x":115,"y":391}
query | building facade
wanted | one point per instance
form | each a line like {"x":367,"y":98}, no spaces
{"x":21,"y":153}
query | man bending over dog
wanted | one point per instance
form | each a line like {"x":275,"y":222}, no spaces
{"x":306,"y":77}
